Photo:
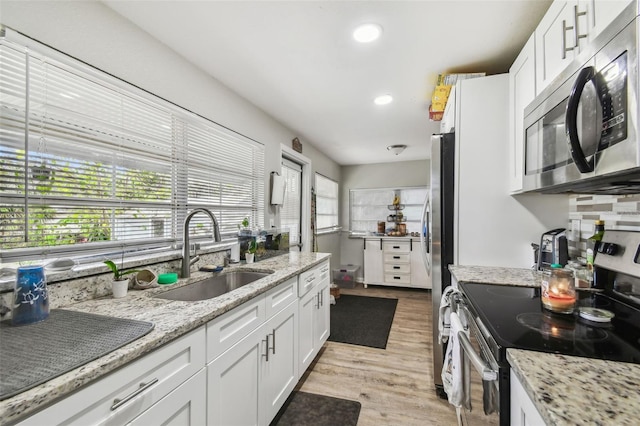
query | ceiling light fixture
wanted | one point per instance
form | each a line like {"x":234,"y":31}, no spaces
{"x":383,"y":100}
{"x":367,"y":33}
{"x":396,"y":149}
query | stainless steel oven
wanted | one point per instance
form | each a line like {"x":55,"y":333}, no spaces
{"x":581,"y":133}
{"x":480,"y":350}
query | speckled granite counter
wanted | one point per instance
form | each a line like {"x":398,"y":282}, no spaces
{"x":570,"y":390}
{"x":494,"y":275}
{"x":171,"y":319}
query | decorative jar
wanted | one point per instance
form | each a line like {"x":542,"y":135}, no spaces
{"x":30,"y":296}
{"x":558,"y":293}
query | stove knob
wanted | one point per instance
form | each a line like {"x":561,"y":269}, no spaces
{"x":608,"y":248}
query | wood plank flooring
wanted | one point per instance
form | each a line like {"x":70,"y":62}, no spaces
{"x":394,"y":385}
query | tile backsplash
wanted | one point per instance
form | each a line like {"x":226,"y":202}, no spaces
{"x":621,"y":212}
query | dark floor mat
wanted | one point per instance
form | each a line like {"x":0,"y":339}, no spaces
{"x":309,"y":409}
{"x":362,"y":320}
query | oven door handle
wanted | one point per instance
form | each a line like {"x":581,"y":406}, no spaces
{"x":485,"y":371}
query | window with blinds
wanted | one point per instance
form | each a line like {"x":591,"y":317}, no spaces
{"x":89,"y":163}
{"x":326,"y":204}
{"x":370,"y":206}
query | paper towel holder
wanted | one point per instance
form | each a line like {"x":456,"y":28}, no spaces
{"x":277,"y":189}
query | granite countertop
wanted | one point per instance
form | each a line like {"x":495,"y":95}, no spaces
{"x":569,"y":390}
{"x":522,"y":277}
{"x":171,"y":319}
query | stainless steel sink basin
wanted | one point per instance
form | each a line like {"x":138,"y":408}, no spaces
{"x":213,"y":287}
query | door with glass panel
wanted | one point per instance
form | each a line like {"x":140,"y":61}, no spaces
{"x":290,"y":212}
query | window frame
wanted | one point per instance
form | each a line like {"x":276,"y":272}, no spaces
{"x":180,"y":203}
{"x":336,"y":207}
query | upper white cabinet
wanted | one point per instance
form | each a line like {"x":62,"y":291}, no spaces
{"x":558,"y":38}
{"x":522,"y":90}
{"x":566,"y":28}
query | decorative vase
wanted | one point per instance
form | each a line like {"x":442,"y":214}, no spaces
{"x":30,"y":296}
{"x":119,"y":288}
{"x":249,"y":257}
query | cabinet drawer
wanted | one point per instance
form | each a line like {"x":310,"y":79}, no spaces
{"x":229,"y":328}
{"x":158,"y":373}
{"x":307,"y":280}
{"x":397,"y":278}
{"x":279,"y":297}
{"x":324,"y":274}
{"x":399,"y":268}
{"x":396,"y":258}
{"x":396,"y":247}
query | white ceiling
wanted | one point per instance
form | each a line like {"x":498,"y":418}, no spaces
{"x":297,"y":60}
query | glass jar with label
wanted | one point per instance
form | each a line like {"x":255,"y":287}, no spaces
{"x":558,"y":293}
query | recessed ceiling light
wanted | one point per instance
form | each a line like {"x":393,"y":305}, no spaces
{"x":383,"y":100}
{"x":367,"y":33}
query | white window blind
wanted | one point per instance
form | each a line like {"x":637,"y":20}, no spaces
{"x":370,"y":206}
{"x":290,"y":210}
{"x":88,"y":162}
{"x":326,"y":203}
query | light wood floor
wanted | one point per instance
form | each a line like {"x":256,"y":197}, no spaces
{"x":394,"y":385}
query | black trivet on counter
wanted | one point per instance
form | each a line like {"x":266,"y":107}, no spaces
{"x":35,"y":353}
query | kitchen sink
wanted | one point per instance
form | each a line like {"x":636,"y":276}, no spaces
{"x":214,"y":286}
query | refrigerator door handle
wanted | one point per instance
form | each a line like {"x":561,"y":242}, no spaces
{"x":425,"y":235}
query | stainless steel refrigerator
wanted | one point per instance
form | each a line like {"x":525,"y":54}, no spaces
{"x":438,"y":214}
{"x":473,"y":219}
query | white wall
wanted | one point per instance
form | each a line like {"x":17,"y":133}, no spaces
{"x":384,"y":175}
{"x":95,"y":34}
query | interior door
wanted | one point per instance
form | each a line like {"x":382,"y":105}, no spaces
{"x":291,"y":210}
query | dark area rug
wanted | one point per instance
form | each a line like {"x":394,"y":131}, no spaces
{"x":309,"y":409}
{"x":362,"y":320}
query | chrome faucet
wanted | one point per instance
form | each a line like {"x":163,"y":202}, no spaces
{"x":186,"y":256}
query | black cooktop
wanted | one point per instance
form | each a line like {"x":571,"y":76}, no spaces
{"x":515,"y":318}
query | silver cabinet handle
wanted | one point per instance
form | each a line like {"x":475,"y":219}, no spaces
{"x":481,"y":367}
{"x":117,"y":403}
{"x":321,"y":296}
{"x":576,"y":31}
{"x":317,"y":300}
{"x":273,"y":341}
{"x":266,"y":352}
{"x":566,"y":49}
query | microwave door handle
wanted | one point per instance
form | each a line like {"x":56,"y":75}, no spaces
{"x":571,"y":121}
{"x":488,"y":374}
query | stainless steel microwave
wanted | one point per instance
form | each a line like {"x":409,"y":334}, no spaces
{"x":581,"y":133}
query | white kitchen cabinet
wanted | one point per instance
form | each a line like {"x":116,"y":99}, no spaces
{"x":125,"y":394}
{"x":373,"y":264}
{"x":279,"y":373}
{"x":394,"y":262}
{"x":184,"y":406}
{"x":522,"y":410}
{"x":313,"y":322}
{"x":555,"y":40}
{"x":566,"y":29}
{"x":248,"y":384}
{"x":250,"y":381}
{"x":419,"y":277}
{"x":522,"y":90}
{"x":233,"y":382}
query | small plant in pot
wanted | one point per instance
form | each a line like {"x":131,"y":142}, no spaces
{"x":243,"y":227}
{"x":251,"y":251}
{"x":120,"y":283}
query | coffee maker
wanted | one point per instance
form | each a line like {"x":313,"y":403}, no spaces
{"x":553,"y":248}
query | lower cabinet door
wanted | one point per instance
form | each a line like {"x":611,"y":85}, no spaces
{"x":186,"y":405}
{"x":233,"y":382}
{"x":279,"y":369}
{"x":322,"y":317}
{"x":307,"y":344}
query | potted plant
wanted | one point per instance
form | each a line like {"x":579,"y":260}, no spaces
{"x":243,"y":227}
{"x":251,"y":251}
{"x":120,"y":284}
